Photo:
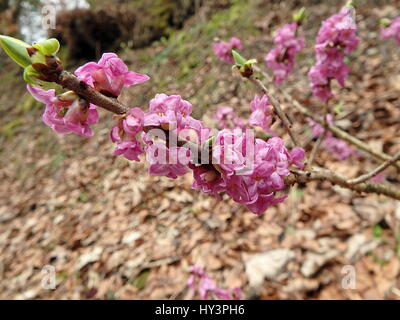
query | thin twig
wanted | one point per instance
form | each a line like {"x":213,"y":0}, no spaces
{"x":275,"y":103}
{"x":315,"y":149}
{"x":374,"y":172}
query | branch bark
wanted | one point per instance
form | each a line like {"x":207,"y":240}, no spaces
{"x":69,"y":81}
{"x":374,"y":172}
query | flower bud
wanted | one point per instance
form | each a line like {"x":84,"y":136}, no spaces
{"x":16,"y":50}
{"x":300,"y":15}
{"x":385,"y":22}
{"x":68,"y":96}
{"x":47,"y":47}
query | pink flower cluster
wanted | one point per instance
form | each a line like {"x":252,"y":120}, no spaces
{"x":200,"y":282}
{"x":336,"y":39}
{"x":166,"y":113}
{"x":281,"y":59}
{"x":392,"y":31}
{"x":337,"y":147}
{"x":261,"y":115}
{"x":251,"y":171}
{"x":109,"y":75}
{"x":224,"y":49}
{"x":125,"y":132}
{"x":227,"y":118}
{"x":64,"y":115}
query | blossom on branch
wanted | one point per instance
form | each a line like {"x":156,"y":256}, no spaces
{"x":64,"y":114}
{"x":125,"y":132}
{"x":261,"y":115}
{"x":109,"y":75}
{"x":336,"y":39}
{"x":281,"y":59}
{"x":337,"y":147}
{"x":392,"y":31}
{"x":224,"y":49}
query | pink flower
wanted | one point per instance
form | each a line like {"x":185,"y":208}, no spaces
{"x":252,"y":171}
{"x":228,"y":150}
{"x":262,"y":113}
{"x":224,"y":49}
{"x":124,"y":134}
{"x":338,"y":148}
{"x":336,"y":39}
{"x":168,"y":112}
{"x":66,"y":116}
{"x":207,"y":179}
{"x":297,"y":155}
{"x":226,"y":118}
{"x":281,"y":59}
{"x":129,"y":149}
{"x":263,"y":202}
{"x":392,"y":31}
{"x":133,"y":122}
{"x":262,"y":104}
{"x":109,"y":75}
{"x":200,"y":282}
{"x":317,"y":129}
{"x":169,"y":162}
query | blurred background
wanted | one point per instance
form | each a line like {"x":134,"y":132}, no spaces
{"x":111,"y":231}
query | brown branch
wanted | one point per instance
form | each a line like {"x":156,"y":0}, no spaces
{"x":337,"y":131}
{"x":69,"y":81}
{"x":374,"y":172}
{"x":315,"y":149}
{"x":327,"y":175}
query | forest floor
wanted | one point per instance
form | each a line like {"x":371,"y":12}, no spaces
{"x":111,"y":231}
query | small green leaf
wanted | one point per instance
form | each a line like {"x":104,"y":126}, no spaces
{"x":47,"y":47}
{"x":239,"y":60}
{"x":31,"y":76}
{"x":300,"y":15}
{"x":16,"y":50}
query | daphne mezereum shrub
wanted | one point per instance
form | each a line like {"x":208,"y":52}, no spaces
{"x":256,"y":172}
